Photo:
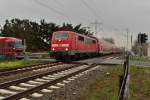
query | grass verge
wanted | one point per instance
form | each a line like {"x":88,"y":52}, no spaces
{"x":140,"y":58}
{"x":16,"y":63}
{"x":105,"y":87}
{"x":140,"y":83}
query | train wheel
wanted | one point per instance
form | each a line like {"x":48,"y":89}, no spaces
{"x":74,"y":57}
{"x":58,"y":58}
{"x":67,"y":58}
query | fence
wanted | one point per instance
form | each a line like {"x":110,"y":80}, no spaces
{"x":124,"y":81}
{"x":38,"y":55}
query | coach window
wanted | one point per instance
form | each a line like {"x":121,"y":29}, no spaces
{"x":1,"y":45}
{"x":90,"y":41}
{"x":80,"y":38}
{"x":93,"y":41}
{"x":86,"y":40}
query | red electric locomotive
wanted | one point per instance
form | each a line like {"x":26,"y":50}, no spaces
{"x":11,"y":48}
{"x":70,"y":44}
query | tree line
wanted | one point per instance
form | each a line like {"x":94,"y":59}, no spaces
{"x":37,"y":35}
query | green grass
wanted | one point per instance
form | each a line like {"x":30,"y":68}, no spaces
{"x":16,"y":63}
{"x":105,"y":87}
{"x":139,"y":58}
{"x":140,"y":83}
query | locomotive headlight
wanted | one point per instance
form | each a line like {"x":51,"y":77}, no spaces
{"x":66,"y":49}
{"x":53,"y":49}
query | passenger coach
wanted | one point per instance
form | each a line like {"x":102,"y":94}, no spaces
{"x":11,"y":48}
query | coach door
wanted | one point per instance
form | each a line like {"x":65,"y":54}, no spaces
{"x":73,"y":41}
{"x":1,"y":48}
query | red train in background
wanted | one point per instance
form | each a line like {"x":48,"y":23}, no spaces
{"x":11,"y":48}
{"x":68,"y":44}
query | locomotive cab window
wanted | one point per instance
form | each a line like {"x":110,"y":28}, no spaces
{"x":80,"y":38}
{"x":61,"y":36}
{"x":18,"y":44}
{"x":64,"y":36}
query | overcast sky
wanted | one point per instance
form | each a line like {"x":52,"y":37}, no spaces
{"x":116,"y":15}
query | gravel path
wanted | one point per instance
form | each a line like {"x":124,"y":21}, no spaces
{"x":74,"y":89}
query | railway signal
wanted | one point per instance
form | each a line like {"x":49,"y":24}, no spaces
{"x":142,"y":38}
{"x":145,"y":38}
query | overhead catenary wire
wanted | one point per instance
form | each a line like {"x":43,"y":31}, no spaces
{"x":90,"y":8}
{"x":100,"y":14}
{"x":97,"y":10}
{"x":58,"y":11}
{"x":94,"y":11}
{"x":95,"y":5}
{"x":60,"y":4}
{"x":52,"y":9}
{"x":86,"y":4}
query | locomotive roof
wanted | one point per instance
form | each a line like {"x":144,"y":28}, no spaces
{"x":77,"y":33}
{"x":101,"y":40}
{"x":98,"y":39}
{"x":9,"y":39}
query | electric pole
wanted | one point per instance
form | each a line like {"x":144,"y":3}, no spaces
{"x":96,"y":24}
{"x":0,"y":28}
{"x":127,"y":30}
{"x":88,"y":28}
{"x":131,"y":41}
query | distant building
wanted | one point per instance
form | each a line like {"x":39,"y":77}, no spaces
{"x":146,"y":49}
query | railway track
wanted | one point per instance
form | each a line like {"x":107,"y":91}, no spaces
{"x":22,"y":88}
{"x":4,"y":72}
{"x":27,"y":66}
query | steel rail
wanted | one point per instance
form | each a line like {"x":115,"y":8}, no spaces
{"x":26,"y":66}
{"x":53,"y":82}
{"x":29,"y":68}
{"x":17,"y":81}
